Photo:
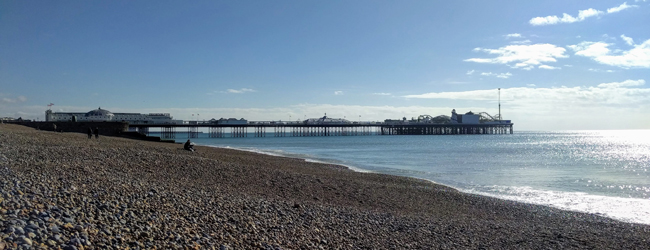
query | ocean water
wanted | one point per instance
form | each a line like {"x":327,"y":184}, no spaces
{"x":600,"y":172}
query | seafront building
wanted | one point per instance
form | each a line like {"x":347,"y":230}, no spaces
{"x":101,"y":115}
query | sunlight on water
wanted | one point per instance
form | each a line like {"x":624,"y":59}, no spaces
{"x":623,"y":209}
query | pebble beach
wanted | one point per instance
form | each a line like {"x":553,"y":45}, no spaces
{"x":64,"y":191}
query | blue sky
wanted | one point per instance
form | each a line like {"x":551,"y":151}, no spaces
{"x":559,"y":64}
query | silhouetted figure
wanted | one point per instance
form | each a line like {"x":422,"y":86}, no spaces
{"x":189,"y":146}
{"x":54,"y":127}
{"x":97,"y":133}
{"x":90,"y":133}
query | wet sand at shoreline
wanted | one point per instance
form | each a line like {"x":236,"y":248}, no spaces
{"x":64,"y":190}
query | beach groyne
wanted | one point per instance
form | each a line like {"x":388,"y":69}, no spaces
{"x":61,"y":190}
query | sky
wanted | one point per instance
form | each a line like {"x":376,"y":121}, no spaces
{"x":560,"y":65}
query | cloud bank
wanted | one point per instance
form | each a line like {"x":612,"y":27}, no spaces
{"x":614,"y":93}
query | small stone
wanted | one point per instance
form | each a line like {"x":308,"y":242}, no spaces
{"x":32,"y":226}
{"x":25,"y":240}
{"x":55,"y":229}
{"x":70,"y":247}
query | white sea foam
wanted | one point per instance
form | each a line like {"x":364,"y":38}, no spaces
{"x":253,"y":150}
{"x":281,"y":153}
{"x":353,"y":168}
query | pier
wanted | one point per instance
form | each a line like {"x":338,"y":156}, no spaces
{"x":259,"y":129}
{"x":469,"y":123}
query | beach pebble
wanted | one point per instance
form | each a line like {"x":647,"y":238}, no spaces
{"x":25,"y":240}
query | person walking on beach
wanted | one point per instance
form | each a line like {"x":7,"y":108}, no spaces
{"x":90,"y":133}
{"x":54,"y":127}
{"x":97,"y":133}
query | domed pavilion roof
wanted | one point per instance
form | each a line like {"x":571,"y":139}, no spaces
{"x":99,"y":112}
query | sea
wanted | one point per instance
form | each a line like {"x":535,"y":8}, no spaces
{"x":600,"y":172}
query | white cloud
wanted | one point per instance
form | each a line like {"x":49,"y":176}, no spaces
{"x":531,"y":85}
{"x":513,"y":35}
{"x":338,"y":92}
{"x":548,"y":67}
{"x":620,"y":7}
{"x":628,"y":40}
{"x":239,"y":91}
{"x":566,"y":18}
{"x":582,"y":15}
{"x":590,"y":49}
{"x":470,"y":72}
{"x":637,"y":57}
{"x":499,"y":75}
{"x":524,"y":56}
{"x":18,"y":99}
{"x":521,"y":42}
{"x":382,"y":94}
{"x":601,"y":70}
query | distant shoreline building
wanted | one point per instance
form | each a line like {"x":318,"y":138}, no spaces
{"x":102,"y":115}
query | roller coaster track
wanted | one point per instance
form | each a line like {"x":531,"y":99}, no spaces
{"x":484,"y":116}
